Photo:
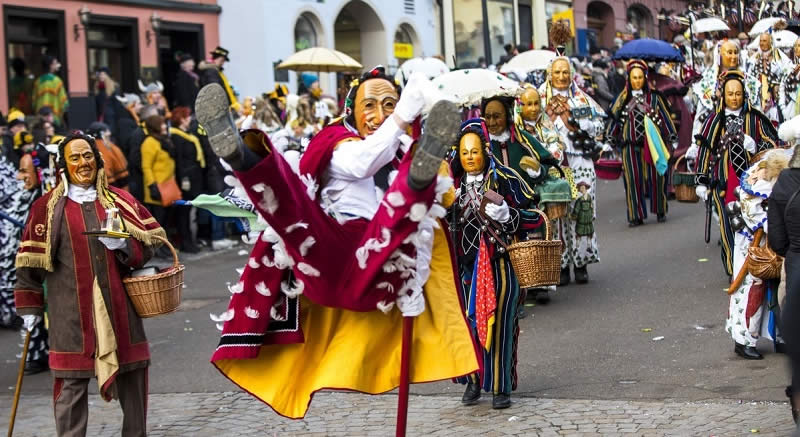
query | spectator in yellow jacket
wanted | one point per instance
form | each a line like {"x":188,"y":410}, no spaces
{"x":158,"y":165}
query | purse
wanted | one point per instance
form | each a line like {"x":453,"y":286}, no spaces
{"x":170,"y":192}
{"x":764,"y":262}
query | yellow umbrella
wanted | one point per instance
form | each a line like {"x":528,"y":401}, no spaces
{"x":321,"y":59}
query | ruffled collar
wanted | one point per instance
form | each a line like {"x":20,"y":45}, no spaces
{"x":471,"y":179}
{"x":502,"y":138}
{"x":81,"y":195}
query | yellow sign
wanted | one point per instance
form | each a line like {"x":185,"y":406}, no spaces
{"x":568,"y":16}
{"x":403,"y":50}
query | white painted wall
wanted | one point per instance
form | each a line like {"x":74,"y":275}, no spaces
{"x":258,"y":33}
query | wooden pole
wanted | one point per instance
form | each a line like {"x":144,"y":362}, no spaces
{"x":18,"y":390}
{"x":405,"y":364}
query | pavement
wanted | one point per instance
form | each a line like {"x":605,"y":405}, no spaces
{"x":640,"y":349}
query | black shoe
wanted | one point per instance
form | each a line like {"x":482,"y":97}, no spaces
{"x":635,"y":223}
{"x":581,"y":275}
{"x":472,"y":394}
{"x":780,"y":348}
{"x":501,"y":400}
{"x":213,"y":113}
{"x":38,"y":366}
{"x":747,"y":352}
{"x":564,"y":277}
{"x":790,"y":395}
{"x":441,"y":132}
{"x":190,"y":248}
{"x":13,"y":322}
{"x":662,"y":218}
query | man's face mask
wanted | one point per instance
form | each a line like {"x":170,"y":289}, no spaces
{"x":734,"y":95}
{"x":765,"y":42}
{"x":531,"y":105}
{"x":81,"y":163}
{"x":27,"y":173}
{"x":375,"y":101}
{"x":637,"y":79}
{"x":470,"y":151}
{"x":730,"y":55}
{"x":561,"y":74}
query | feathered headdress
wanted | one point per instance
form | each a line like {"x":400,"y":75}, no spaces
{"x":560,"y":35}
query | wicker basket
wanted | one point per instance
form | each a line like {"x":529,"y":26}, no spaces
{"x":157,"y":294}
{"x":556,"y":210}
{"x":537,"y":263}
{"x":684,"y":184}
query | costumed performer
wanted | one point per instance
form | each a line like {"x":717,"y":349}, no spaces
{"x":94,"y":328}
{"x":493,"y":204}
{"x":334,"y":253}
{"x":642,"y":127}
{"x":579,"y":121}
{"x":554,"y":194}
{"x":763,"y":75}
{"x":753,"y":307}
{"x":787,"y":91}
{"x":728,"y":139}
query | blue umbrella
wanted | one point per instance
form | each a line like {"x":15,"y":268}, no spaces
{"x":648,"y":49}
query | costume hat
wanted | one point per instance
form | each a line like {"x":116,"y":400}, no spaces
{"x":219,"y":52}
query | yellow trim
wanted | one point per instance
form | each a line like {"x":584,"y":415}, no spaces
{"x":31,"y":243}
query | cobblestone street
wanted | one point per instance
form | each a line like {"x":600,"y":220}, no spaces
{"x":331,"y":414}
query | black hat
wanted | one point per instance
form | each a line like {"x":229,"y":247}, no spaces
{"x":219,"y":52}
{"x":45,"y":111}
{"x":104,"y":70}
{"x":183,"y":57}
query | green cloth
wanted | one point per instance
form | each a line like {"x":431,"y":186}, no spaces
{"x":584,"y":217}
{"x":48,"y":90}
{"x":217,"y":205}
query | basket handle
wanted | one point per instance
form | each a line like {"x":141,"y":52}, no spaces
{"x":171,"y":249}
{"x":547,"y":231}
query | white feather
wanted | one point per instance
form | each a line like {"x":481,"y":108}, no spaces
{"x":269,"y":202}
{"x":267,"y":263}
{"x":249,"y":239}
{"x":224,"y":317}
{"x":297,"y":225}
{"x":219,"y":326}
{"x":295,"y":291}
{"x":306,"y":244}
{"x":385,"y":286}
{"x":307,"y":269}
{"x":253,"y":314}
{"x":374,"y":245}
{"x":236,"y":289}
{"x":240,"y":271}
{"x":417,"y":212}
{"x":311,"y":185}
{"x":282,"y":259}
{"x":385,"y":307}
{"x":273,"y":313}
{"x":262,"y":289}
{"x":270,"y":236}
{"x":258,"y":188}
{"x":396,"y":199}
{"x":253,"y":264}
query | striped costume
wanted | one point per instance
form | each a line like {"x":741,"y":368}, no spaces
{"x":473,"y":238}
{"x":48,"y":90}
{"x":724,"y":161}
{"x":627,"y":126}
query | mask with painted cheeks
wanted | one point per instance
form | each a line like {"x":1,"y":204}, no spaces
{"x":636,"y":76}
{"x":733,"y":94}
{"x":496,"y":117}
{"x":81,"y":163}
{"x":375,"y":101}
{"x":730,"y":55}
{"x":560,"y":74}
{"x":471,"y":154}
{"x":530,"y":105}
{"x":27,"y":172}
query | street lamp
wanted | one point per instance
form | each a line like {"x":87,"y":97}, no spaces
{"x":84,"y":14}
{"x":155,"y":23}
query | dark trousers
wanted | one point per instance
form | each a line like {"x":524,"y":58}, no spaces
{"x":71,"y":404}
{"x":790,"y":316}
{"x":183,"y":217}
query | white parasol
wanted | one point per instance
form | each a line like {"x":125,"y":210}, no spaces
{"x":321,"y":59}
{"x":783,"y":39}
{"x":763,"y":25}
{"x":529,"y":61}
{"x":430,"y":67}
{"x":468,"y":87}
{"x":711,"y":24}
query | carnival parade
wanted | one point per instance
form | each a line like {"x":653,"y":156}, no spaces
{"x":520,"y":217}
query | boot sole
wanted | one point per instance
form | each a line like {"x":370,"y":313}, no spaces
{"x":213,"y":113}
{"x":441,"y":132}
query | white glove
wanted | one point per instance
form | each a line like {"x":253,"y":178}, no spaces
{"x":674,"y":145}
{"x":691,"y":152}
{"x":498,"y":213}
{"x":412,"y":100}
{"x":749,"y":144}
{"x":607,"y":147}
{"x":701,"y":191}
{"x":533,"y":173}
{"x":30,"y":321}
{"x":411,"y":305}
{"x":112,"y":243}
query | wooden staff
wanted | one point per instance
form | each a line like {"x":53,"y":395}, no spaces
{"x":743,"y":271}
{"x":18,"y":390}
{"x":405,"y":364}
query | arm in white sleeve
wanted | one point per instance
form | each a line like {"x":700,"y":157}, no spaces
{"x":354,"y":160}
{"x":749,"y":144}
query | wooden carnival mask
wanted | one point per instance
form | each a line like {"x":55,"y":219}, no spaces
{"x":496,"y":117}
{"x":471,"y":154}
{"x":765,"y":42}
{"x":530,"y":104}
{"x":27,"y":172}
{"x":560,"y":74}
{"x":730,"y":55}
{"x":81,"y":163}
{"x":637,"y":78}
{"x":733,"y":94}
{"x":374,"y":102}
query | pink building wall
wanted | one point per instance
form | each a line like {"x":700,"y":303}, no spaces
{"x":620,"y":8}
{"x":76,"y":66}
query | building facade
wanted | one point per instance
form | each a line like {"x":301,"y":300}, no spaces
{"x":367,"y":30}
{"x":476,"y":31}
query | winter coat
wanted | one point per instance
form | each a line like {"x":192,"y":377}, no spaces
{"x":157,"y":166}
{"x":783,"y":219}
{"x":189,"y":161}
{"x":186,"y":88}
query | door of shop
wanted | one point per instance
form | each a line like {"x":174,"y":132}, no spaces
{"x":30,"y":34}
{"x":113,"y":42}
{"x":174,"y":39}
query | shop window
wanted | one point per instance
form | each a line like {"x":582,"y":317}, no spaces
{"x":305,"y":35}
{"x":501,"y":26}
{"x":30,"y":34}
{"x":112,"y":43}
{"x":468,"y":24}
